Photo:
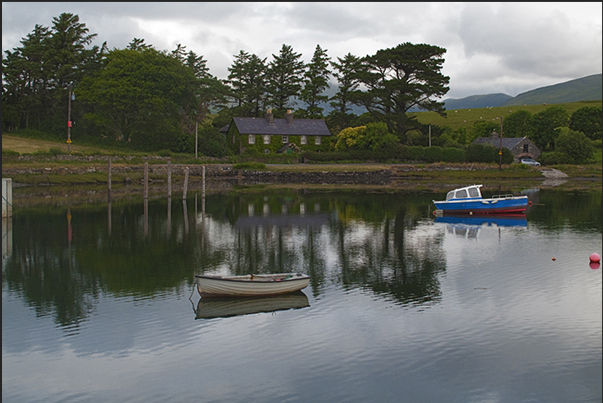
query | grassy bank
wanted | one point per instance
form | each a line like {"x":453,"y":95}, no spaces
{"x":88,"y":165}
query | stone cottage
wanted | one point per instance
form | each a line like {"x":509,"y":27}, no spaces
{"x":520,"y":147}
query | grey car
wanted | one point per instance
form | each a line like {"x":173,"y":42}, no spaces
{"x":530,"y":161}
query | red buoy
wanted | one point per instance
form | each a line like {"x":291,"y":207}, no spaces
{"x":595,"y":258}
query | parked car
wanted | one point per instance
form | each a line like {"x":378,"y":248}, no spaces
{"x":530,"y":161}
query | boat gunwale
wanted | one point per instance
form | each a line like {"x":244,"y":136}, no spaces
{"x":258,"y":280}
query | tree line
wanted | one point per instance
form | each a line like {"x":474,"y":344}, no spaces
{"x":156,"y":99}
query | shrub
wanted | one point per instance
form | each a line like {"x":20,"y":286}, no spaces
{"x":553,"y":158}
{"x":55,"y":151}
{"x":576,"y":145}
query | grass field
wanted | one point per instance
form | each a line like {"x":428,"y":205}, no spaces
{"x":32,"y":146}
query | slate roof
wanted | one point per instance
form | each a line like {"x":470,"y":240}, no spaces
{"x":280,"y":127}
{"x":495,"y":141}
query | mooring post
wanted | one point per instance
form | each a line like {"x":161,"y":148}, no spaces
{"x":109,"y":178}
{"x":169,"y":178}
{"x":7,"y":197}
{"x":203,"y":182}
{"x":146,"y":180}
{"x":185,"y":183}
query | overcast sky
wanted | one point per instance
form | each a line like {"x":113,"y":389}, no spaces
{"x":491,"y":47}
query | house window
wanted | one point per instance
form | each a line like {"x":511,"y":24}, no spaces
{"x":252,"y":139}
{"x":317,"y":140}
{"x":285,"y":139}
{"x":304,"y":140}
{"x":266,"y":139}
{"x":526,"y":148}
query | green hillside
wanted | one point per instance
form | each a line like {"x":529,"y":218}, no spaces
{"x":467,"y":117}
{"x":582,"y":89}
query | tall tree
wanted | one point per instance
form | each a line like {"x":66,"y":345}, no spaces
{"x":207,"y":92}
{"x":50,"y":62}
{"x":316,"y":82}
{"x":546,"y":124}
{"x":345,"y":72}
{"x":24,"y":81}
{"x":68,"y":49}
{"x":400,"y":78}
{"x":519,"y":124}
{"x":138,"y":95}
{"x":588,"y":120}
{"x":247,"y":79}
{"x":285,"y":77}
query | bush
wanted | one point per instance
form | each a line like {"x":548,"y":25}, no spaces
{"x":553,"y":158}
{"x":575,"y":145}
{"x":10,"y":153}
{"x":488,"y":154}
{"x":55,"y":151}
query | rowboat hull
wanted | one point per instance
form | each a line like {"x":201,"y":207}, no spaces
{"x":251,"y":285}
{"x":508,"y":205}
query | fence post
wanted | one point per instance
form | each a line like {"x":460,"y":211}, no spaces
{"x":146,"y":180}
{"x":185,"y":183}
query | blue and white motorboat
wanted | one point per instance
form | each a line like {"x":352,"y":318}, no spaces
{"x":469,"y":200}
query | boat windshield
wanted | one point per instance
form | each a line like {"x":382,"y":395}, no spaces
{"x":463,"y":193}
{"x":474,"y":192}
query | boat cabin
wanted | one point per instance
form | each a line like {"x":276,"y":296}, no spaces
{"x":468,"y":192}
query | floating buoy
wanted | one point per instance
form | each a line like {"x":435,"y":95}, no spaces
{"x":554,"y":259}
{"x":595,"y":258}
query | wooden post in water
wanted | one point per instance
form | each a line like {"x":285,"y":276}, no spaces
{"x":185,"y":183}
{"x":146,"y":180}
{"x":109,"y":179}
{"x":203,"y":183}
{"x":169,"y":178}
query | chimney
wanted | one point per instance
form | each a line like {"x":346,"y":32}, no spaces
{"x":269,"y":116}
{"x":494,"y":135}
{"x":289,"y":116}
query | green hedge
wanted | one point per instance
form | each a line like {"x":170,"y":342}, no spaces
{"x":390,"y":154}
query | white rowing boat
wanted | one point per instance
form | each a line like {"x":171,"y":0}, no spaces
{"x":251,"y":285}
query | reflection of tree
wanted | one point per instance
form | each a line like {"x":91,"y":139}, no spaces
{"x":577,"y":210}
{"x":370,"y":240}
{"x":387,"y":262}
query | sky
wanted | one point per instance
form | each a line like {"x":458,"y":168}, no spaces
{"x":491,"y":48}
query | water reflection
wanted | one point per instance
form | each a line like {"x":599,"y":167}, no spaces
{"x":470,"y":226}
{"x":208,"y":308}
{"x":64,"y":258}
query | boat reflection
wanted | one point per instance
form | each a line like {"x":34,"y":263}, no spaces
{"x":208,"y":308}
{"x":469,"y":226}
{"x":508,"y":220}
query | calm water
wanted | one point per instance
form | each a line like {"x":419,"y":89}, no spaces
{"x":98,"y":303}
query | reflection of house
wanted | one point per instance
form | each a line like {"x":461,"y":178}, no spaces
{"x":269,"y":134}
{"x":519,"y":146}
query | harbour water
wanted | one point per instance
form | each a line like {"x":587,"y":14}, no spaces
{"x":99,"y":304}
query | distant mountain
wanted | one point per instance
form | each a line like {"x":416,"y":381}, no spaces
{"x":476,"y":101}
{"x":589,"y":88}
